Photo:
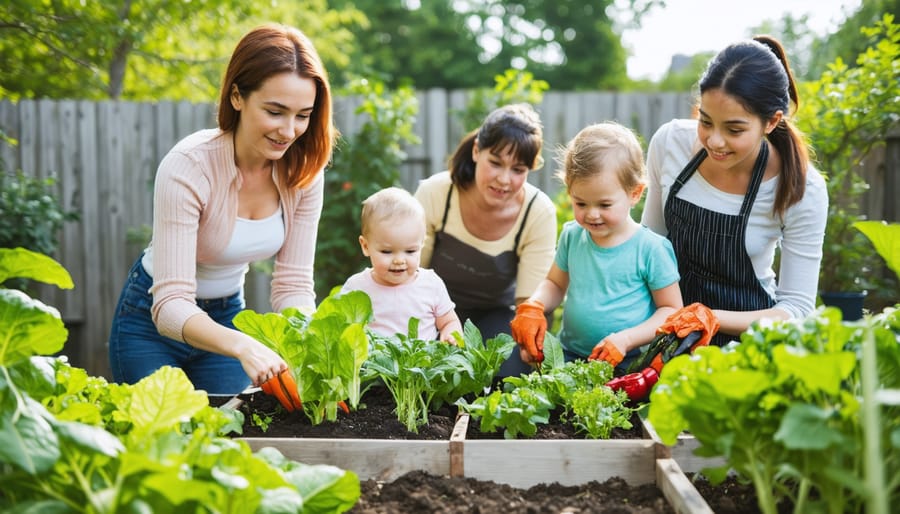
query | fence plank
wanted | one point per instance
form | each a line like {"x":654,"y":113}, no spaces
{"x":71,"y":243}
{"x":28,"y":127}
{"x":9,"y":127}
{"x":91,"y":352}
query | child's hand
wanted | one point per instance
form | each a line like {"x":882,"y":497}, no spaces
{"x":453,"y":338}
{"x":610,"y":350}
{"x":528,"y":329}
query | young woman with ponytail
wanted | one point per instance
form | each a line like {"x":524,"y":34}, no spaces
{"x":730,"y":187}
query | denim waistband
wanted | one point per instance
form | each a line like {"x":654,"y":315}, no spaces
{"x":138,"y":273}
{"x":212,"y":303}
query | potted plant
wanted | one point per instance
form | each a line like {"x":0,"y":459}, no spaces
{"x":848,"y":112}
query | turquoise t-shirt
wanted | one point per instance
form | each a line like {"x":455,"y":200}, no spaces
{"x":610,"y":288}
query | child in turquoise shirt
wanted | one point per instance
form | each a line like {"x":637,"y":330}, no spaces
{"x":618,"y":278}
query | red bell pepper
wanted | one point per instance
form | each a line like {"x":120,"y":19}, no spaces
{"x":636,"y":385}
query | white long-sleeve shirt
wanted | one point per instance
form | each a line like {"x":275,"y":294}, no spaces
{"x":800,"y":233}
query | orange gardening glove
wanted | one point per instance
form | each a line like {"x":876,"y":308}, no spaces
{"x":606,"y":351}
{"x":283,"y":387}
{"x":529,"y":327}
{"x":685,"y":320}
{"x":688,"y":328}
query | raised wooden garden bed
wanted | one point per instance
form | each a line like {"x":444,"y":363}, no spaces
{"x":683,"y":452}
{"x":520,"y":463}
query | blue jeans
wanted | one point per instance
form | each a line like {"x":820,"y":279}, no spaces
{"x":136,"y":349}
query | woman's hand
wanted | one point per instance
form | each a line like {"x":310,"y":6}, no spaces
{"x":260,"y":362}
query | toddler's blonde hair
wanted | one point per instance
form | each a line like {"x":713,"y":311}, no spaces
{"x":606,"y":146}
{"x":388,"y":204}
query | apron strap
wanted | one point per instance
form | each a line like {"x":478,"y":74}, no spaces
{"x":446,"y":208}
{"x":759,"y":171}
{"x":521,"y":227}
{"x":524,"y":219}
{"x":687,"y":171}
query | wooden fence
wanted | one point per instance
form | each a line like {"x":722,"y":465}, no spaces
{"x":104,"y":156}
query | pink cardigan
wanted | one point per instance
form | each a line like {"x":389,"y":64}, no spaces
{"x":195,"y":206}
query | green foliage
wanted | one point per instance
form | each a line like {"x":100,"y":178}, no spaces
{"x":848,"y":40}
{"x":325,"y":350}
{"x":597,"y":411}
{"x":510,"y":87}
{"x":886,"y":239}
{"x":784,"y":407}
{"x":30,"y":216}
{"x":364,"y":163}
{"x":847,"y":113}
{"x":74,"y":443}
{"x":428,"y":46}
{"x":573,"y":45}
{"x":576,"y":389}
{"x":146,"y":49}
{"x":515,"y":412}
{"x":422,"y":375}
{"x":30,"y":213}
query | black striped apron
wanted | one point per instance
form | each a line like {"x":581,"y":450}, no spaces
{"x":712,"y":256}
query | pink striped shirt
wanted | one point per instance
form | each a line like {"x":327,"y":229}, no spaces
{"x":195,"y":207}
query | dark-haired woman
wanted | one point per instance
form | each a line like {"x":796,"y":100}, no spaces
{"x":490,"y":234}
{"x":731,"y":187}
{"x":225,"y":197}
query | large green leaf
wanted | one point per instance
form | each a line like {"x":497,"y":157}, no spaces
{"x":28,"y":327}
{"x":22,"y":263}
{"x":27,"y":440}
{"x":325,"y":488}
{"x":819,"y":372}
{"x":275,"y":331}
{"x":808,"y":427}
{"x":885,"y":238}
{"x":164,"y":399}
{"x":89,"y":437}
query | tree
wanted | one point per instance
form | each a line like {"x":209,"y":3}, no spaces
{"x":796,"y":37}
{"x":428,"y":45}
{"x":143,"y":49}
{"x":465,"y":43}
{"x":849,"y":41}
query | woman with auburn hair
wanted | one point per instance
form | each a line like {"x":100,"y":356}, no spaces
{"x":224,"y":197}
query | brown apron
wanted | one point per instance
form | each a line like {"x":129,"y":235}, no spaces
{"x":482,"y":286}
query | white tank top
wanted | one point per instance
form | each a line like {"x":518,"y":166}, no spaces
{"x":252,"y":240}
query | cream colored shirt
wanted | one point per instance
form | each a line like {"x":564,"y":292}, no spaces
{"x":536,"y":246}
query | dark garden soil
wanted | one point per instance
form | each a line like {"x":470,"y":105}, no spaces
{"x":376,"y":420}
{"x":731,"y":496}
{"x":420,"y":492}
